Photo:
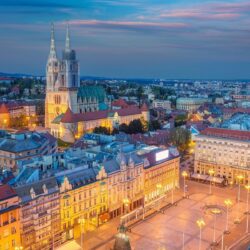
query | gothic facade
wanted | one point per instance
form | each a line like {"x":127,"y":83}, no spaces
{"x":63,"y":88}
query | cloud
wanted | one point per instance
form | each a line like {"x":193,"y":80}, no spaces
{"x":209,"y":11}
{"x":130,"y":25}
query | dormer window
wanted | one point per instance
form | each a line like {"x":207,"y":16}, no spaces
{"x":45,"y":190}
{"x":32,"y":193}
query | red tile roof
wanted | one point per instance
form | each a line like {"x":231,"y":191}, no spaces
{"x":120,"y":103}
{"x":68,"y":117}
{"x":227,"y":133}
{"x":144,"y":107}
{"x":88,"y":116}
{"x":4,"y":109}
{"x":6,"y":192}
{"x":132,"y":110}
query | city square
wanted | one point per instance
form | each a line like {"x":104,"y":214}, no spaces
{"x":176,"y":227}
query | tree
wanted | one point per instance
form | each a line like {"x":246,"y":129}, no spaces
{"x":139,"y":94}
{"x":180,"y":120}
{"x":124,"y":128}
{"x":115,"y":131}
{"x":154,"y":125}
{"x":180,"y":137}
{"x":19,"y":122}
{"x":135,"y":127}
{"x":101,"y":130}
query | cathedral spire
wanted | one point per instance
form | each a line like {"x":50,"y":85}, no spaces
{"x":67,"y":43}
{"x":52,"y":53}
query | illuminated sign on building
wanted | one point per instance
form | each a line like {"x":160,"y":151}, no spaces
{"x":162,"y":155}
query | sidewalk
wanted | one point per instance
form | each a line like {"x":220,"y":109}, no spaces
{"x":237,"y":233}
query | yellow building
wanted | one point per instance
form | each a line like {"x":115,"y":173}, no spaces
{"x":83,"y":199}
{"x":125,"y":183}
{"x":69,"y":126}
{"x":4,"y":116}
{"x":9,"y":219}
{"x":161,"y":174}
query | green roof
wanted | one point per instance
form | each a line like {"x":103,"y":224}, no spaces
{"x":57,"y":120}
{"x":103,"y":106}
{"x":87,"y":92}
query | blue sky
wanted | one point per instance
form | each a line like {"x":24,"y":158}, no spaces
{"x":130,"y":38}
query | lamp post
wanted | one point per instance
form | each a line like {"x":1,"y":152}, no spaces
{"x":211,"y":173}
{"x":215,"y":212}
{"x":126,"y":203}
{"x":200,"y":223}
{"x":184,"y":175}
{"x":228,"y":203}
{"x":247,"y":212}
{"x":183,"y":241}
{"x":81,"y":221}
{"x":240,"y":177}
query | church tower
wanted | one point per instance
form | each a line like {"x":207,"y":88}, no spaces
{"x":63,"y":81}
{"x":69,"y":70}
{"x":52,"y":64}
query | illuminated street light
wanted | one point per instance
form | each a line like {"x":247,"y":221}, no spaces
{"x":247,"y":212}
{"x":240,"y":177}
{"x":201,"y":224}
{"x":19,"y":248}
{"x":81,"y":221}
{"x":184,"y":175}
{"x":126,"y":203}
{"x":211,"y":173}
{"x":215,"y":212}
{"x":228,"y":203}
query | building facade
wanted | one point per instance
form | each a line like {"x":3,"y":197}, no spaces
{"x":225,"y":151}
{"x":24,"y":146}
{"x":83,"y":200}
{"x":70,"y":126}
{"x":190,"y":104}
{"x":9,"y":218}
{"x":40,"y":214}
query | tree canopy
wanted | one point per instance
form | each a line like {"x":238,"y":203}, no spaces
{"x":180,"y":137}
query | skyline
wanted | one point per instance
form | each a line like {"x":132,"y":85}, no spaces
{"x":123,"y":39}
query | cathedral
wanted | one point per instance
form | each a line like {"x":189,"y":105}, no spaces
{"x":71,"y":109}
{"x":63,"y":88}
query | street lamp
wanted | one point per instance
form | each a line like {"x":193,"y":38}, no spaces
{"x":215,"y":212}
{"x":228,"y":203}
{"x":247,"y":212}
{"x":200,"y":223}
{"x":240,"y":177}
{"x":126,"y":203}
{"x":211,"y":173}
{"x":81,"y":221}
{"x":184,"y":175}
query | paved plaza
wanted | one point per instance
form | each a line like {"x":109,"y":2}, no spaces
{"x":176,"y":226}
